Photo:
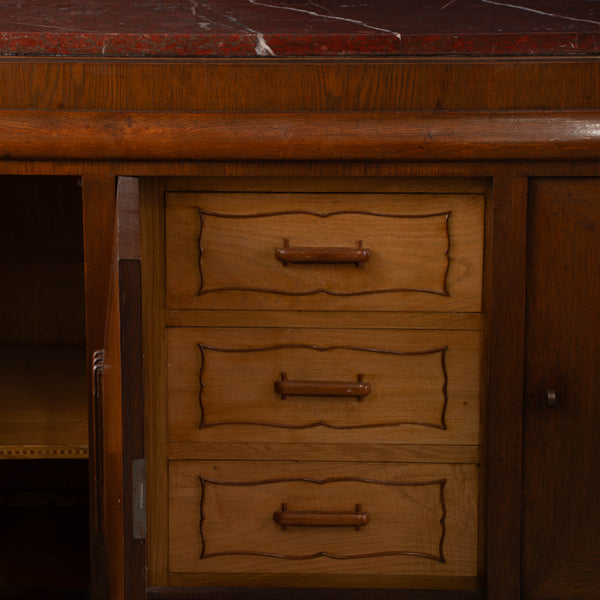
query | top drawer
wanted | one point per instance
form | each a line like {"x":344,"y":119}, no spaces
{"x":324,"y":251}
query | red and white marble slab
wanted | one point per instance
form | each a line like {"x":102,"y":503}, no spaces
{"x":298,"y":28}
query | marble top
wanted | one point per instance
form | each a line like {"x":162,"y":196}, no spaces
{"x":299,"y":28}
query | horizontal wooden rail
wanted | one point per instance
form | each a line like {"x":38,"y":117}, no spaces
{"x":351,"y":136}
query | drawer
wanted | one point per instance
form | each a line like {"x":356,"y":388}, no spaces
{"x":303,"y":385}
{"x":324,"y":251}
{"x":346,"y":518}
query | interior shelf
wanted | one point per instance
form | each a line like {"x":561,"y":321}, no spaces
{"x":44,"y":504}
{"x":43,"y":402}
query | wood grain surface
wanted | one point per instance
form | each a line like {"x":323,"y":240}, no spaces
{"x":371,"y":452}
{"x":422,"y":518}
{"x":425,"y":386}
{"x":425,"y":251}
{"x":504,"y":331}
{"x":561,"y":524}
{"x":155,"y":380}
{"x":298,"y":85}
{"x":44,"y":411}
{"x":105,"y":135}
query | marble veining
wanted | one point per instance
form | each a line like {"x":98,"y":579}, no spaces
{"x":538,"y":12}
{"x":296,"y":28}
{"x":329,"y":15}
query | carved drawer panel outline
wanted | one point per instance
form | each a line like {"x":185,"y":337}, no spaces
{"x":295,"y":250}
{"x":414,"y":259}
{"x":391,"y":400}
{"x":322,"y":517}
{"x":323,"y":385}
{"x":397,"y":529}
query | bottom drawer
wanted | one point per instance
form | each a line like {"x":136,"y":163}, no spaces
{"x":323,"y":518}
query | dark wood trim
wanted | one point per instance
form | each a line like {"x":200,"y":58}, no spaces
{"x":504,"y":305}
{"x":507,"y":168}
{"x":215,"y":593}
{"x":132,"y":378}
{"x":164,"y":136}
{"x":98,"y":227}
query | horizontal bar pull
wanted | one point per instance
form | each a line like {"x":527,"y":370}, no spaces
{"x":321,"y":518}
{"x":328,"y":255}
{"x":335,"y":389}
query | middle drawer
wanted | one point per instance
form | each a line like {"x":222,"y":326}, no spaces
{"x":303,"y":385}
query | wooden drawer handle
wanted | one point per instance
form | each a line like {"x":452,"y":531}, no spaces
{"x":337,"y":389}
{"x":331,"y":255}
{"x":321,"y":518}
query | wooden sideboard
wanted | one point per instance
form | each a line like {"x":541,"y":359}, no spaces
{"x":338,"y":311}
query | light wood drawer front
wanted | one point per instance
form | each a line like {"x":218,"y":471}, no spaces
{"x":256,"y":385}
{"x":227,"y":517}
{"x":324,"y":251}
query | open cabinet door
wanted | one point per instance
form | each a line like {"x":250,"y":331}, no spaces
{"x":118,"y":414}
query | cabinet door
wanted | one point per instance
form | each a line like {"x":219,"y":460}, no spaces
{"x":119,"y":401}
{"x":561,"y":486}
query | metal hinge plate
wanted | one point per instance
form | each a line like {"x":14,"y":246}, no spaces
{"x":138,"y":468}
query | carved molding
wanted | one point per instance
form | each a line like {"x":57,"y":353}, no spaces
{"x":260,"y":136}
{"x":443,"y":287}
{"x":441,"y":424}
{"x":439,"y":557}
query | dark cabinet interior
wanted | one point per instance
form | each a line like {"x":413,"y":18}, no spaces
{"x":43,"y":391}
{"x":44,"y":524}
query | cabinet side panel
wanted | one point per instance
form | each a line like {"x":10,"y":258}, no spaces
{"x":155,"y":360}
{"x":505,"y":312}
